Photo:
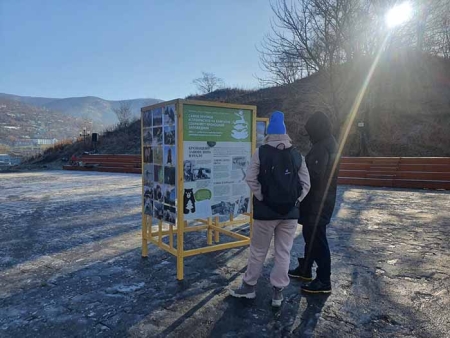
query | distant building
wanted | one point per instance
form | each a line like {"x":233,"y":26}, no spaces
{"x":36,"y":142}
{"x":45,"y":141}
{"x":7,"y":159}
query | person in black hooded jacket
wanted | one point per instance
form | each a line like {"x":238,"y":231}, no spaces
{"x":317,"y":207}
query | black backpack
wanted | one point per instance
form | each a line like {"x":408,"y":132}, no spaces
{"x":278,"y":175}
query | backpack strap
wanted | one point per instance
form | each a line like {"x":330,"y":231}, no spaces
{"x":263,"y":154}
{"x":264,"y":157}
{"x":296,"y":157}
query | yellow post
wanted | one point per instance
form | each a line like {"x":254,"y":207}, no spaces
{"x":149,"y":220}
{"x":180,"y":251}
{"x":144,"y":237}
{"x":144,"y":218}
{"x":209,"y":234}
{"x":180,"y":183}
{"x":216,"y":233}
{"x":171,"y":236}
{"x":160,"y":231}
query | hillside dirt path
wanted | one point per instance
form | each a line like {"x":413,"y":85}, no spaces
{"x":70,"y":266}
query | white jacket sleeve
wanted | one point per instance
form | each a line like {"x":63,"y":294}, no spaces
{"x":252,"y":176}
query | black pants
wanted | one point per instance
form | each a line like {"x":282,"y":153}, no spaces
{"x":317,"y":250}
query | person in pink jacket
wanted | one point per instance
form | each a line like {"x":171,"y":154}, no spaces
{"x":279,"y":180}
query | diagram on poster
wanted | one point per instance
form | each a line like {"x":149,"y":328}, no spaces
{"x":217,"y":152}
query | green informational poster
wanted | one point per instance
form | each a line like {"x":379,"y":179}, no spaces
{"x":216,"y":124}
{"x":217,"y":151}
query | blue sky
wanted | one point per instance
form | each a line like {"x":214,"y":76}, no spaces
{"x":119,"y":49}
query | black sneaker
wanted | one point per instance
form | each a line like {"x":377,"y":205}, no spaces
{"x":316,"y":286}
{"x":300,"y":273}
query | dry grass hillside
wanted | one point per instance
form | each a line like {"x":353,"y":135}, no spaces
{"x":406,"y":109}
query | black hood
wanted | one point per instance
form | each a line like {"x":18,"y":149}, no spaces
{"x":318,"y":127}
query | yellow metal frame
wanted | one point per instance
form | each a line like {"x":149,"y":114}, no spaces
{"x":211,"y":225}
{"x":263,"y":119}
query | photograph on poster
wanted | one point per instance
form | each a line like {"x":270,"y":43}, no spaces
{"x":148,"y":136}
{"x":158,"y":155}
{"x":147,"y":119}
{"x":242,"y":205}
{"x":170,"y":158}
{"x":158,"y":136}
{"x":169,"y":115}
{"x":158,"y":174}
{"x":202,"y":173}
{"x":148,"y":154}
{"x":169,"y":175}
{"x":148,"y":191}
{"x":158,"y":194}
{"x":223,"y":208}
{"x":158,"y":210}
{"x":187,"y":171}
{"x":148,"y":206}
{"x":170,"y":195}
{"x":193,"y":172}
{"x":169,"y":135}
{"x":240,"y":164}
{"x":149,"y":174}
{"x":170,"y":215}
{"x":157,"y":117}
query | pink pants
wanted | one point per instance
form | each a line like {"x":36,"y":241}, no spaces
{"x":263,"y":231}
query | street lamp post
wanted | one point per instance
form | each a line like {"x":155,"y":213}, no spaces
{"x":362,"y":144}
{"x":85,"y":133}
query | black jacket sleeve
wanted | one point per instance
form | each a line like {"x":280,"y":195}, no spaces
{"x":319,"y":203}
{"x":317,"y":163}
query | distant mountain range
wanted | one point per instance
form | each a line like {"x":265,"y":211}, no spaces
{"x":88,"y":107}
{"x":20,"y":122}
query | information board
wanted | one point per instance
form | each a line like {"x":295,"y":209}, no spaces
{"x":216,"y":152}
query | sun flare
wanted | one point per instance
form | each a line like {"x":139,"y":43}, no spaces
{"x":398,"y":15}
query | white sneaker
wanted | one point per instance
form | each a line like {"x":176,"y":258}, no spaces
{"x":244,"y":291}
{"x":277,"y":296}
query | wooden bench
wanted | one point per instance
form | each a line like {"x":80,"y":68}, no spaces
{"x":109,"y":163}
{"x":397,"y":172}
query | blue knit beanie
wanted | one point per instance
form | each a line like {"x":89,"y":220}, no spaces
{"x":276,"y":124}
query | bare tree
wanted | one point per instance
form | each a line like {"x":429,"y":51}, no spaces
{"x":433,"y":27}
{"x":123,"y":113}
{"x":281,"y":67}
{"x":208,"y":83}
{"x":308,"y":36}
